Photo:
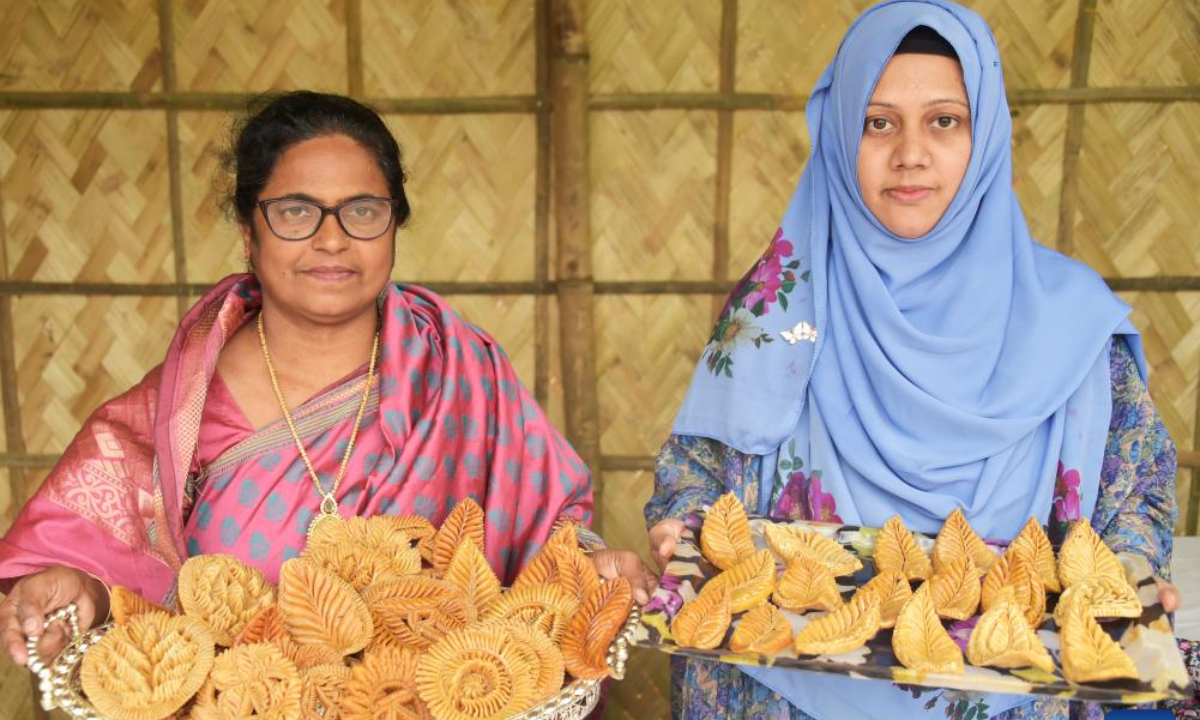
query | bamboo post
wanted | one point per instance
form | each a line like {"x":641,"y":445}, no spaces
{"x":575,"y":288}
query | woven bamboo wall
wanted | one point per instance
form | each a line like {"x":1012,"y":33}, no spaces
{"x":112,"y":113}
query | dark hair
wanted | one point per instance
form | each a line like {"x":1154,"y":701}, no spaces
{"x":274,"y":123}
{"x":924,"y":40}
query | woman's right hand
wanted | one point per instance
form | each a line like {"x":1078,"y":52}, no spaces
{"x":663,"y":538}
{"x":35,"y":596}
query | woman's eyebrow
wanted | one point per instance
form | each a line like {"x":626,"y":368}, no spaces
{"x":936,"y":101}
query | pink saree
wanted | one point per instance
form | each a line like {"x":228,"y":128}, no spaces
{"x":446,"y":419}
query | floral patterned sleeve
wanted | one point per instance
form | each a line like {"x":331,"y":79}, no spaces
{"x":1137,"y":508}
{"x":692,"y":472}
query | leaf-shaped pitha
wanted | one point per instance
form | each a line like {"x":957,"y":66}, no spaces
{"x":894,"y":593}
{"x":223,"y":592}
{"x":725,"y":536}
{"x":1015,"y":569}
{"x":1033,"y":543}
{"x":702,"y":622}
{"x":465,"y":522}
{"x":266,"y":626}
{"x":1084,"y":555}
{"x":1103,"y":596}
{"x":470,"y":572}
{"x":594,"y":627}
{"x":384,"y":685}
{"x":321,"y":691}
{"x":764,"y":630}
{"x":318,"y":607}
{"x":562,"y":565}
{"x":546,"y":607}
{"x":750,"y":581}
{"x":416,"y":611}
{"x":807,"y":585}
{"x":788,"y":541}
{"x":565,"y":535}
{"x":1088,"y":653}
{"x":955,"y":591}
{"x":919,"y":640}
{"x":957,"y":539}
{"x":842,"y":630}
{"x":308,"y":656}
{"x":1003,"y":638}
{"x":896,"y":549}
{"x":124,"y":604}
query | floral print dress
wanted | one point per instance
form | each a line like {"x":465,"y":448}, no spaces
{"x":1136,"y":512}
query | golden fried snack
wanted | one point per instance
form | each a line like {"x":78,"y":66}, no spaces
{"x":1084,"y":555}
{"x":223,"y":592}
{"x":750,"y":581}
{"x":1003,"y":638}
{"x":788,"y":541}
{"x":1015,"y":571}
{"x":266,"y":626}
{"x":896,"y":549}
{"x":807,"y":585}
{"x":548,"y":608}
{"x":309,"y":656}
{"x":384,"y":686}
{"x":465,"y":522}
{"x":319,"y":608}
{"x":378,"y":534}
{"x":958,"y":539}
{"x":763,"y":631}
{"x":416,"y":611}
{"x":250,"y":681}
{"x":842,"y":630}
{"x":955,"y":590}
{"x":476,"y":674}
{"x":1088,"y":653}
{"x":919,"y":640}
{"x":594,"y":627}
{"x":1103,"y":596}
{"x":725,"y":536}
{"x":1033,"y":542}
{"x":894,"y":593}
{"x":562,"y":565}
{"x":361,"y":566}
{"x":565,"y":535}
{"x":148,"y":667}
{"x":470,"y":572}
{"x":544,"y":658}
{"x":702,"y":622}
{"x":125,"y":604}
{"x":419,"y":530}
{"x":321,"y":691}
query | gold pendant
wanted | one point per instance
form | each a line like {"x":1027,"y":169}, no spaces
{"x":328,"y":513}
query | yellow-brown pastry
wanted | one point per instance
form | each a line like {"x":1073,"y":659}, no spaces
{"x":384,"y":685}
{"x":896,"y":549}
{"x":955,"y":590}
{"x":1003,"y":638}
{"x":419,"y":530}
{"x":148,"y":667}
{"x":223,"y":592}
{"x":266,"y":626}
{"x":919,"y":640}
{"x":1084,"y":555}
{"x":564,"y":535}
{"x":957,"y":539}
{"x":725,"y":536}
{"x":1103,"y":596}
{"x":788,"y":541}
{"x":361,"y":566}
{"x":763,"y":631}
{"x":247,"y":681}
{"x":308,"y":656}
{"x":378,"y":534}
{"x":416,"y":611}
{"x":1013,"y":570}
{"x":321,"y":691}
{"x":540,"y":653}
{"x":319,"y":608}
{"x":562,"y":565}
{"x":597,"y":622}
{"x":476,"y":674}
{"x":1032,"y":542}
{"x":894,"y":593}
{"x":806,"y":585}
{"x":465,"y":522}
{"x":328,"y":533}
{"x":470,"y":572}
{"x":702,"y":622}
{"x":1088,"y":653}
{"x":750,"y":581}
{"x":842,"y":630}
{"x":124,"y":603}
{"x":546,"y":607}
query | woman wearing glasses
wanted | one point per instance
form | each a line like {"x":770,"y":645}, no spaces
{"x":310,"y":386}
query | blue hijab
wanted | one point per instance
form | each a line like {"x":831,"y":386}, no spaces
{"x":957,"y":370}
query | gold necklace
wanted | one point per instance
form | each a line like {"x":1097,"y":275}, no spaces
{"x":328,"y":510}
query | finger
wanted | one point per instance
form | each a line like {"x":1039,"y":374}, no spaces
{"x":14,"y":642}
{"x":1168,"y":595}
{"x":52,"y":641}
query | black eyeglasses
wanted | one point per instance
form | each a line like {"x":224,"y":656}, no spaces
{"x":296,"y":219}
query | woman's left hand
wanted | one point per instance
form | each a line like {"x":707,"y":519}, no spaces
{"x":612,"y":564}
{"x":1169,"y":596}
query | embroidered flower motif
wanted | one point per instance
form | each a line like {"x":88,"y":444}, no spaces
{"x":802,"y":498}
{"x":1066,"y":502}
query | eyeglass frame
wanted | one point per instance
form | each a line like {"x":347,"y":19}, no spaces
{"x":325,"y":212}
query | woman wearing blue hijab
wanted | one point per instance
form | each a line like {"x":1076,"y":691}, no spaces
{"x":904,"y":346}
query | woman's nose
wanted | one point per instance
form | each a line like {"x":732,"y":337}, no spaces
{"x":330,"y":236}
{"x":910,"y":151}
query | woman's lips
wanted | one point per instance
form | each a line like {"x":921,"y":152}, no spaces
{"x":908,"y":194}
{"x":329,"y":274}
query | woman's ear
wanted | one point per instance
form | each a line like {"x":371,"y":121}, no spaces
{"x":247,"y":242}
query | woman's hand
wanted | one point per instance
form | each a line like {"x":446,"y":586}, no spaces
{"x":36,"y":596}
{"x":663,"y":538}
{"x":1169,"y":596}
{"x":612,"y":564}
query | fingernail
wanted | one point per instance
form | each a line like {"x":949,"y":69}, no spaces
{"x":641,"y":597}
